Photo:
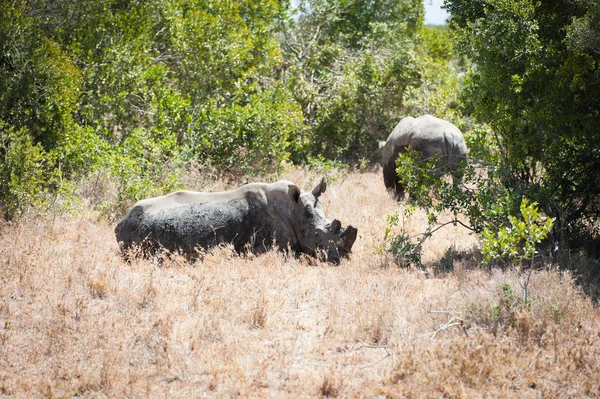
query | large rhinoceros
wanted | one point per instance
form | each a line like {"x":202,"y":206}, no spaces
{"x":428,"y":135}
{"x":252,"y":217}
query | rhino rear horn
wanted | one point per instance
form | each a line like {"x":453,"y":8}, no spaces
{"x":319,"y":188}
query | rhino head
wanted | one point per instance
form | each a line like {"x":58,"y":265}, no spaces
{"x":316,"y":234}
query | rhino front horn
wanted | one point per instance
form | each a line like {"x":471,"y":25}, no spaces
{"x":348,"y":237}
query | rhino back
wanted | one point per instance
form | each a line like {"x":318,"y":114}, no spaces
{"x":430,"y":135}
{"x":185,"y":198}
{"x":431,"y":127}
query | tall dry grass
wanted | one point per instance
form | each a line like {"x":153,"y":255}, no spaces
{"x":76,"y":320}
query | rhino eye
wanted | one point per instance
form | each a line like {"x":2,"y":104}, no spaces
{"x":307,"y":210}
{"x":309,"y":213}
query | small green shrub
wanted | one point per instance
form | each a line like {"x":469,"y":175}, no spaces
{"x":401,"y":246}
{"x":142,"y":167}
{"x":507,"y":224}
{"x":517,"y":240}
{"x":27,"y":173}
{"x":406,"y":252}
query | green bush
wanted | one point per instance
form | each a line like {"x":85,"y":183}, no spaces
{"x":142,"y":167}
{"x":537,"y":85}
{"x":252,"y":135}
{"x":27,"y":173}
{"x":441,"y":74}
{"x":39,"y":81}
{"x":505,"y":221}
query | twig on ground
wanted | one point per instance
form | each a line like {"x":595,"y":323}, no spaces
{"x":454,"y":321}
{"x":384,"y":347}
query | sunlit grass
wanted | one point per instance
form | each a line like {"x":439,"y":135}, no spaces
{"x":75,"y":319}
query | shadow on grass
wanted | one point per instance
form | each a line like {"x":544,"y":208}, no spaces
{"x":469,"y":259}
{"x":583,"y":259}
{"x":583,"y":262}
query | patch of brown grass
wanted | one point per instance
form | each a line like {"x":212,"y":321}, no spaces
{"x":330,"y":388}
{"x":76,"y":320}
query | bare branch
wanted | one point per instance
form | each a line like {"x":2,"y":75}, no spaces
{"x":454,"y":321}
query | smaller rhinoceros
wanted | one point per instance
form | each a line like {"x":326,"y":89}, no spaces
{"x":253,"y":217}
{"x":428,"y":135}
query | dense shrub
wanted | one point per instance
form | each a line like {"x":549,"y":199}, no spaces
{"x":127,"y":87}
{"x":27,"y":172}
{"x":537,"y":85}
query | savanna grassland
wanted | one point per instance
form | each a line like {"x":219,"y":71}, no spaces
{"x":103,"y":103}
{"x":78,"y":321}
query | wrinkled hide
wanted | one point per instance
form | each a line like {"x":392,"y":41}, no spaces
{"x":253,"y":217}
{"x":428,"y":135}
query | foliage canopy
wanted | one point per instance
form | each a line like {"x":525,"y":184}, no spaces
{"x":537,"y":84}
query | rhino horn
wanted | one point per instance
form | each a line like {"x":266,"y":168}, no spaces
{"x":348,"y":237}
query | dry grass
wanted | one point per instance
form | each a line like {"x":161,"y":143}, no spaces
{"x":75,"y":320}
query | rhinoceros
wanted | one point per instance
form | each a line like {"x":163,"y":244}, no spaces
{"x":252,"y":217}
{"x":428,"y":135}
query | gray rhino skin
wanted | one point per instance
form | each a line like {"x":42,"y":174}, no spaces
{"x":253,"y":217}
{"x":428,"y":135}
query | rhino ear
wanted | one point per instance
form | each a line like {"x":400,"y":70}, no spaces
{"x":294,"y":192}
{"x":319,"y":188}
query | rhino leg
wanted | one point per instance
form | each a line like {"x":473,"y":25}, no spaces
{"x":399,"y":192}
{"x":392,"y":181}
